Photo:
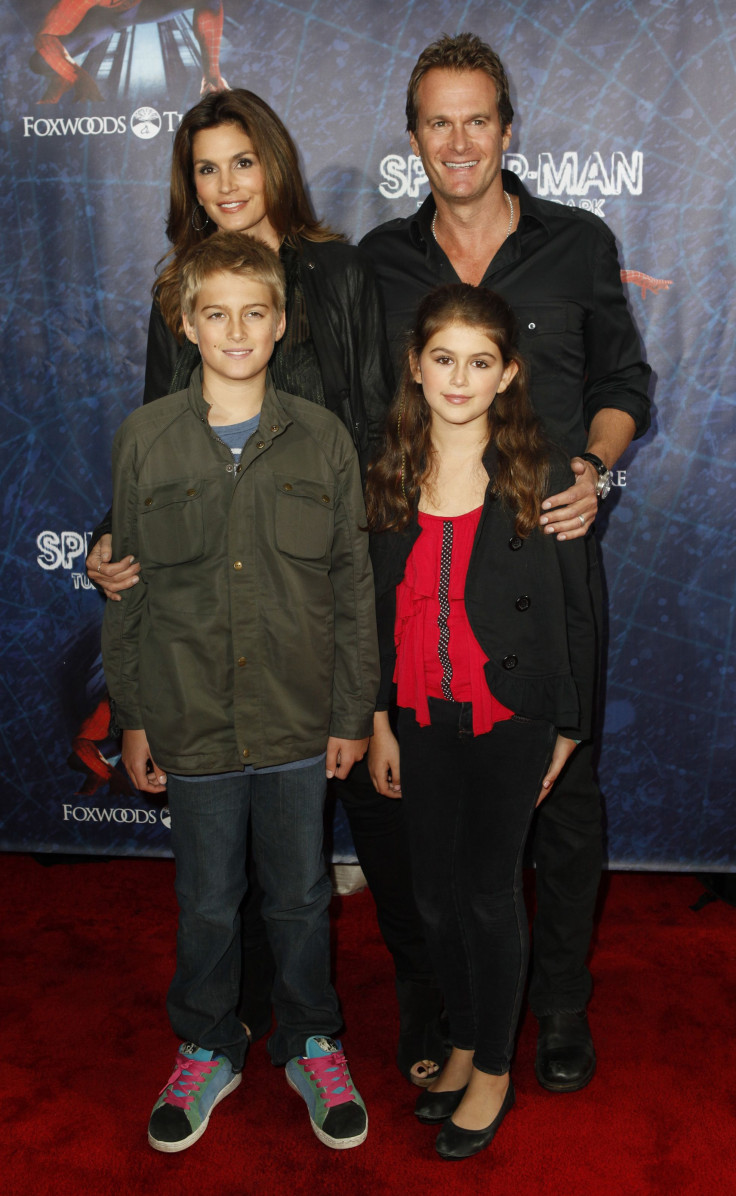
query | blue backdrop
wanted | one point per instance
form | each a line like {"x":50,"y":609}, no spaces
{"x":622,"y":107}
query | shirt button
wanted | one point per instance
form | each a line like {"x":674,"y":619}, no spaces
{"x":238,"y":468}
{"x":237,"y":565}
{"x":149,"y":502}
{"x":325,"y":498}
{"x":274,"y":427}
{"x":532,"y":326}
{"x":229,"y":468}
{"x":523,"y":602}
{"x":510,"y":662}
{"x":515,"y":543}
{"x":261,"y":444}
{"x":246,"y":753}
{"x":191,"y":493}
{"x":288,"y":486}
{"x":241,"y":661}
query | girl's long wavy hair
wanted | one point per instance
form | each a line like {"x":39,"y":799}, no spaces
{"x":520,"y":478}
{"x":287,"y":204}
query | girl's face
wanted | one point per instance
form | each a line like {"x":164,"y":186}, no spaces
{"x":461,"y":371}
{"x":228,"y":179}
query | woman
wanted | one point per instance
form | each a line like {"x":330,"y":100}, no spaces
{"x":235,"y":167}
{"x":486,"y":628}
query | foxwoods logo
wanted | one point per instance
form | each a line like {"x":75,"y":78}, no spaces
{"x":145,"y":123}
{"x":116,"y":814}
{"x":589,"y":181}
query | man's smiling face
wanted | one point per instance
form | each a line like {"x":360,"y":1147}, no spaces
{"x":458,"y":134}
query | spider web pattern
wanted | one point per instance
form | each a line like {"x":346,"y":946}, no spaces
{"x":83,"y":227}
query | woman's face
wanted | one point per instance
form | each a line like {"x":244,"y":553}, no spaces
{"x":228,"y":178}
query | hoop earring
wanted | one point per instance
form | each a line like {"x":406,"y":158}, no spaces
{"x":199,"y":228}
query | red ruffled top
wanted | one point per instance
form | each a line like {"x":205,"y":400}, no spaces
{"x":419,"y":669}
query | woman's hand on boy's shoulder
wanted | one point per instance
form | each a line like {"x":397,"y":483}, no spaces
{"x":342,"y":754}
{"x":111,"y":576}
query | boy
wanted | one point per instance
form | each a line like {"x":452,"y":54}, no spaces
{"x":247,"y":649}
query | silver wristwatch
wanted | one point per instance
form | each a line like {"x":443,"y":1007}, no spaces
{"x":603,"y":485}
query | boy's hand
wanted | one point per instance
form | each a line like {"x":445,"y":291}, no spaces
{"x":342,"y":755}
{"x":142,"y":770}
{"x":111,"y":576}
{"x":384,"y":757}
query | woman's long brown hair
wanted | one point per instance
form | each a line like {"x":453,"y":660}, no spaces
{"x":522,"y":471}
{"x":287,"y":205}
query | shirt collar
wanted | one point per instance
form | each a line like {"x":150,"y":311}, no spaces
{"x":273,"y":414}
{"x":420,"y":228}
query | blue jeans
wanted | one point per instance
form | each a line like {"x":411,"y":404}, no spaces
{"x":468,"y":802}
{"x":209,"y":830}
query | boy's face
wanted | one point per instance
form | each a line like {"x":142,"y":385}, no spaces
{"x":235,"y":325}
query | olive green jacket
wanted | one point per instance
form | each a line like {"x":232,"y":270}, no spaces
{"x":250,"y":637}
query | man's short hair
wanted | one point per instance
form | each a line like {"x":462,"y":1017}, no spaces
{"x":465,"y":52}
{"x":236,"y":253}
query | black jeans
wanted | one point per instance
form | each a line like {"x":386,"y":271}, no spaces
{"x":469,"y":802}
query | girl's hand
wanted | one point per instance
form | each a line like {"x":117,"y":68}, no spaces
{"x":142,"y":770}
{"x":561,"y":753}
{"x":383,"y":757}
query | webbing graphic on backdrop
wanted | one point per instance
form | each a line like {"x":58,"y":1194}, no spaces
{"x":89,"y":124}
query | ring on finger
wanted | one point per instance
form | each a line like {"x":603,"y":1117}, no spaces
{"x":582,"y":519}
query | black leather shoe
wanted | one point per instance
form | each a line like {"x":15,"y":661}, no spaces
{"x":433,"y":1107}
{"x":565,"y":1054}
{"x":453,"y":1142}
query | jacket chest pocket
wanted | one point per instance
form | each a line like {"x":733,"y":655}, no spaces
{"x":171,"y":523}
{"x":305,"y":516}
{"x":548,"y":332}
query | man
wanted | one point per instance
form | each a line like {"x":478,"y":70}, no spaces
{"x":559,"y":270}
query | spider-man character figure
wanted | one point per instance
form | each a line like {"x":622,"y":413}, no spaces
{"x":93,"y":20}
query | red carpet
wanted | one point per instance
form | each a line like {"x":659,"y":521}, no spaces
{"x":88,"y":953}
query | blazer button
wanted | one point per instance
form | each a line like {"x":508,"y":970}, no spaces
{"x":510,"y":662}
{"x":237,"y":564}
{"x":515,"y":543}
{"x":523,"y":602}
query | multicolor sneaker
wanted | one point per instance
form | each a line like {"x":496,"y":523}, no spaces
{"x":199,"y":1081}
{"x":322,"y":1077}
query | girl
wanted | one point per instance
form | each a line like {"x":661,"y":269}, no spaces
{"x":486,"y":628}
{"x":235,"y":167}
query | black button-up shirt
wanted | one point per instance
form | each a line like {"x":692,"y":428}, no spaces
{"x":560,"y":273}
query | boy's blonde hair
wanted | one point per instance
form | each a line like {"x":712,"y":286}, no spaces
{"x":237,"y":253}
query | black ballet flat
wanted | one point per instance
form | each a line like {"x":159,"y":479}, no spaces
{"x":433,"y":1107}
{"x":453,"y":1142}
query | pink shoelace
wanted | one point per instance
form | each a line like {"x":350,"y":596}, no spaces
{"x":331,"y":1074}
{"x":187,"y":1074}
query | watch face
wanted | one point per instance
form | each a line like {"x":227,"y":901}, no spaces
{"x":604,"y":484}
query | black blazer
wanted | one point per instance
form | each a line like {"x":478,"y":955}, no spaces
{"x":529,"y":606}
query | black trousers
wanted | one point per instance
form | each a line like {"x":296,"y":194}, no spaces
{"x":469,"y":802}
